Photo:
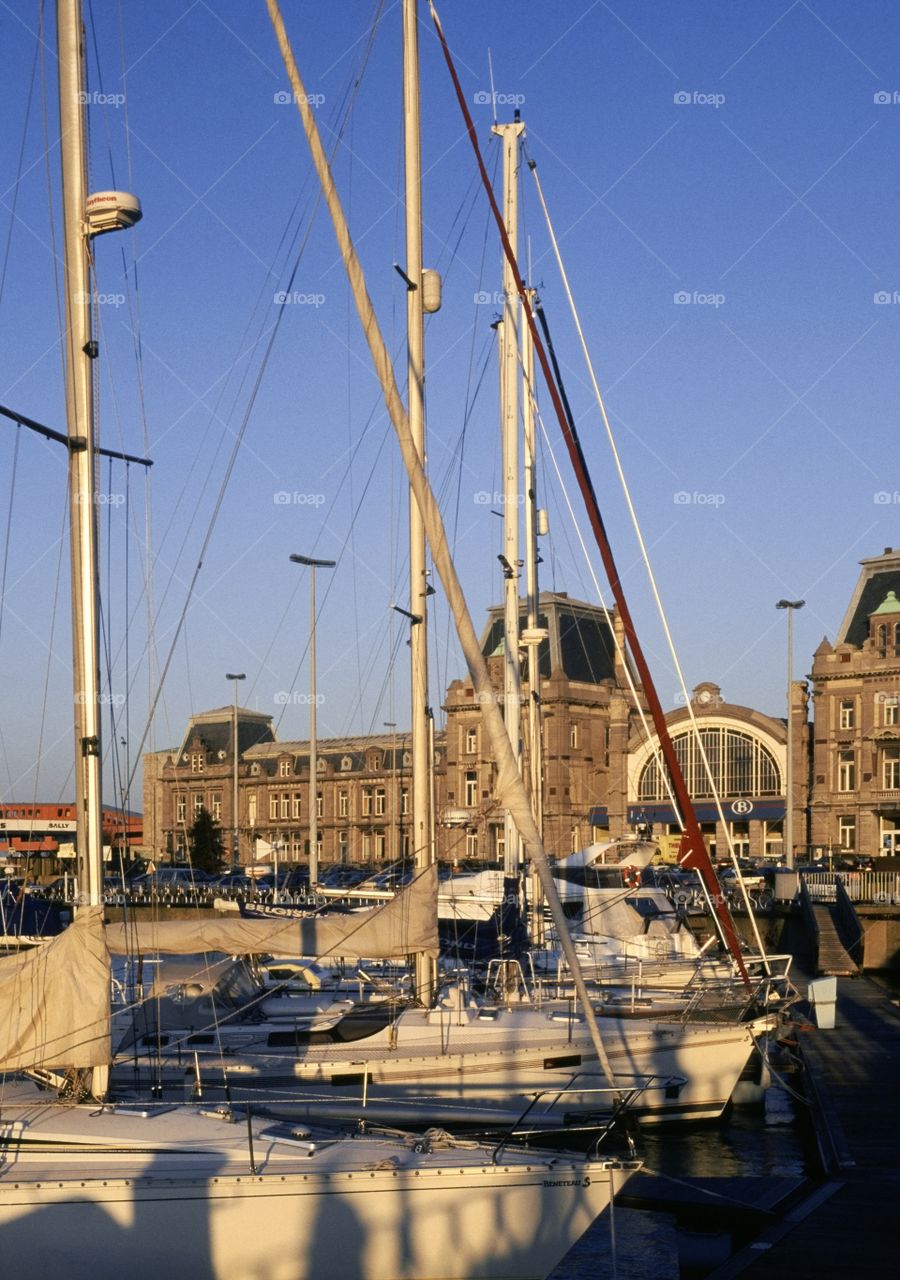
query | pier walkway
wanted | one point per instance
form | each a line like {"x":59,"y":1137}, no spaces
{"x":849,"y":1225}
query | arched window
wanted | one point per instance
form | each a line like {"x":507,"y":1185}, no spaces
{"x":739,"y":763}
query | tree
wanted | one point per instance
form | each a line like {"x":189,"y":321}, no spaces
{"x":205,"y":844}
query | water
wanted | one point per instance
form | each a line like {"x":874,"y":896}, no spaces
{"x":647,"y":1243}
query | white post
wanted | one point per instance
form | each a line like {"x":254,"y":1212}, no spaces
{"x":509,"y":419}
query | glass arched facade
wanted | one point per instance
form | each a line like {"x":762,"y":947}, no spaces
{"x":740,"y":764}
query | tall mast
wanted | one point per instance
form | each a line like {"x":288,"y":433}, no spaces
{"x":422,"y":822}
{"x":532,"y":636}
{"x":509,"y":427}
{"x":80,"y":351}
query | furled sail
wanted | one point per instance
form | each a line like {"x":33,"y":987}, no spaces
{"x":403,"y":926}
{"x":54,"y":1000}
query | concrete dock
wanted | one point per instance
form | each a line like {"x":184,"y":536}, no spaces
{"x":849,"y":1224}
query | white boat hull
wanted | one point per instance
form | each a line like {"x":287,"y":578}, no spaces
{"x":136,"y":1194}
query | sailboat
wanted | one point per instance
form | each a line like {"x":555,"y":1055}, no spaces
{"x":89,"y":1186}
{"x":455,"y":1056}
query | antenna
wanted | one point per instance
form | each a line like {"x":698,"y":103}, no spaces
{"x":493,"y":93}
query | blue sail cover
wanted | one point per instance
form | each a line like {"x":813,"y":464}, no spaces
{"x":503,"y":936}
{"x":24,"y":916}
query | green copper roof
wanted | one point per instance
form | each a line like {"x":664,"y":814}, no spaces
{"x":890,"y":604}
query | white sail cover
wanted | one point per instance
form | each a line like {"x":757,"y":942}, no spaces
{"x":54,"y":1000}
{"x":404,"y":925}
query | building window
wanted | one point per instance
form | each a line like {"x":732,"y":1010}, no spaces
{"x":847,"y":832}
{"x":500,"y":844}
{"x":284,"y":768}
{"x":741,"y":765}
{"x":890,"y":712}
{"x":320,"y":804}
{"x":285,"y":806}
{"x":198,"y":803}
{"x":296,"y":801}
{"x":471,"y":741}
{"x":471,"y":789}
{"x":273,"y":806}
{"x":847,"y":714}
{"x":343,"y":843}
{"x":343,"y":804}
{"x":367,"y":802}
{"x":471,"y":844}
{"x":846,"y":771}
{"x":217,"y":807}
{"x":740,"y":838}
{"x":774,"y":839}
{"x":891,"y":769}
{"x":198,"y":762}
{"x":366,"y":846}
{"x":380,"y":846}
{"x":404,"y":845}
{"x":346,"y":764}
{"x":181,"y":809}
{"x":404,"y":800}
{"x":379,"y":802}
{"x":576,"y":835}
{"x":573,"y":734}
{"x":251,"y":808}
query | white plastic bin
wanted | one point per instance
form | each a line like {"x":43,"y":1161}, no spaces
{"x":822,"y":995}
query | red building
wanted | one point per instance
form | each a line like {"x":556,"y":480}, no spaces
{"x":29,"y":830}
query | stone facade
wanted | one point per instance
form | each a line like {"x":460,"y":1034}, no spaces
{"x":363,"y":783}
{"x":846,"y":766}
{"x":855,"y":762}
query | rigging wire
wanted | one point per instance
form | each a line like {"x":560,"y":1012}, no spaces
{"x":626,"y":491}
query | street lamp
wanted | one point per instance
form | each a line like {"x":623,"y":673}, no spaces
{"x":235,"y":837}
{"x":313,"y":759}
{"x":790,"y":605}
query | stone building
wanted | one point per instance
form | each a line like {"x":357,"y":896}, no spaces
{"x":363,"y":784}
{"x":599,"y":775}
{"x":855,"y":793}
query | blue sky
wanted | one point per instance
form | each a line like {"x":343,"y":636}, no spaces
{"x":724,"y":180}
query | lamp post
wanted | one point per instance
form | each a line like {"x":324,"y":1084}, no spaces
{"x":313,"y":760}
{"x":790,"y":605}
{"x":235,"y":831}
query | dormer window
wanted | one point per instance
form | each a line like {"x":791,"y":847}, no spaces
{"x":198,"y":762}
{"x":284,"y":768}
{"x":320,"y":765}
{"x":346,"y":764}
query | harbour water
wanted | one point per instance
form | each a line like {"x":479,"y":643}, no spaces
{"x":647,"y":1245}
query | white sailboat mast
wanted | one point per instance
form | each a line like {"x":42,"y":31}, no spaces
{"x":422,"y":820}
{"x":509,"y":426}
{"x":80,"y":352}
{"x":532,"y":636}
